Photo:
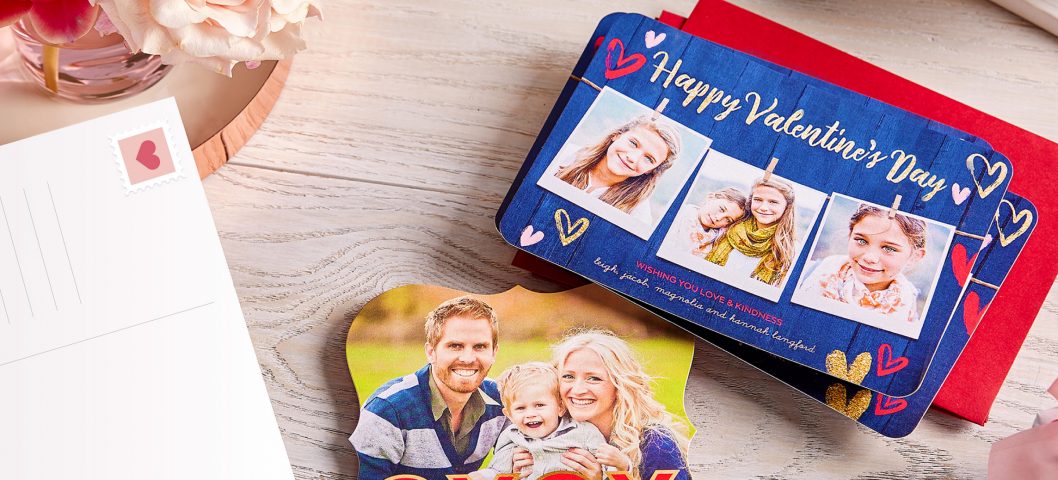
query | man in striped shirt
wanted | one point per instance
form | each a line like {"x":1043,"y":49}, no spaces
{"x":443,"y":419}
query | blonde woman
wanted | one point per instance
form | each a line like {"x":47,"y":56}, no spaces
{"x":623,"y":167}
{"x":601,"y":382}
{"x":762,"y":245}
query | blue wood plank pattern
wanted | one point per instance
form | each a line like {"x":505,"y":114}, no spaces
{"x":938,"y":148}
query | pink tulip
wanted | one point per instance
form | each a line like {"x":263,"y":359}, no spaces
{"x":56,"y":21}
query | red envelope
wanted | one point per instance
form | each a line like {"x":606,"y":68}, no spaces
{"x":977,"y":376}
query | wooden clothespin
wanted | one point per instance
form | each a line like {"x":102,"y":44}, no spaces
{"x":771,"y":168}
{"x":660,"y":108}
{"x":895,"y":206}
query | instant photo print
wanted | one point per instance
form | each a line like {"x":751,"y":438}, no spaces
{"x":797,"y":129}
{"x":731,"y":201}
{"x":874,"y":266}
{"x":527,"y":368}
{"x":625,"y":163}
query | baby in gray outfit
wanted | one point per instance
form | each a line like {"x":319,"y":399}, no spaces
{"x":539,"y":423}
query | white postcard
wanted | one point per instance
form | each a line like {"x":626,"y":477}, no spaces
{"x":123,"y":350}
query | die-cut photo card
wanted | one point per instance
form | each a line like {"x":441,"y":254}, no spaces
{"x":874,"y":266}
{"x":826,"y":138}
{"x":625,"y":162}
{"x":742,"y":226}
{"x":581,"y":369}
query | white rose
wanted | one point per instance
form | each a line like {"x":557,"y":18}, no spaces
{"x":214,"y":33}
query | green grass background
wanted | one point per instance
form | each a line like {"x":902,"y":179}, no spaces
{"x":666,"y":359}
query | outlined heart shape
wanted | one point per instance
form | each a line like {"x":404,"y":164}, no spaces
{"x":958,"y":194}
{"x":568,"y":230}
{"x":653,"y":39}
{"x":888,"y":405}
{"x":990,"y":169}
{"x":972,"y":312}
{"x":622,"y":65}
{"x":838,"y":366}
{"x":529,"y":237}
{"x":1016,"y":217}
{"x":146,"y":155}
{"x":887,"y":364}
{"x":837,"y":398}
{"x":960,"y":265}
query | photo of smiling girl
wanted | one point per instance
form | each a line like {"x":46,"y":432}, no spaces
{"x":624,"y":162}
{"x":623,"y":168}
{"x":871,"y":268}
{"x":740,"y":229}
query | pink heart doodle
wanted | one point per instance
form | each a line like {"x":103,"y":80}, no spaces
{"x":617,"y":64}
{"x":960,"y":265}
{"x":888,"y":405}
{"x":887,"y":363}
{"x":959,"y":194}
{"x":652,"y":39}
{"x":972,"y":311}
{"x":529,"y":237}
{"x":146,"y":155}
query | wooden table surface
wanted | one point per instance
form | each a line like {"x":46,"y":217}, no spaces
{"x":400,"y":131}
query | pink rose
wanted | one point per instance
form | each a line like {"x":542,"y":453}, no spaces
{"x":214,"y":33}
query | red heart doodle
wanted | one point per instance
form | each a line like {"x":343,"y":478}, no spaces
{"x":598,"y":41}
{"x":886,"y":363}
{"x":892,"y":405}
{"x":960,"y":265}
{"x":146,"y":155}
{"x":972,"y":311}
{"x":623,"y":65}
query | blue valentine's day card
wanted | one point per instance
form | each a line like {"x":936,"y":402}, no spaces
{"x":775,"y":209}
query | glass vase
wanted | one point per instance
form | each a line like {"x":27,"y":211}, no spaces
{"x":94,"y":68}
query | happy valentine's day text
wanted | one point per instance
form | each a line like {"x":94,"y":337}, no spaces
{"x":830,"y":138}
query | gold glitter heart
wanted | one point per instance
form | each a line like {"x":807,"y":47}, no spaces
{"x":837,"y":365}
{"x":837,"y":398}
{"x":568,"y":231}
{"x":991,"y":169}
{"x":1004,"y":239}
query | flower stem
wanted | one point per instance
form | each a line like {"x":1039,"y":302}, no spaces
{"x":51,"y":67}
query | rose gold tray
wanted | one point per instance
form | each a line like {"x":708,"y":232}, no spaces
{"x":220,"y":114}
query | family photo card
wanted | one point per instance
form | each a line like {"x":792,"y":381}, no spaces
{"x":553,"y":373}
{"x":935,"y":217}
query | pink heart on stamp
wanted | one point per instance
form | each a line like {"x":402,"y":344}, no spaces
{"x":652,"y":39}
{"x":529,"y":237}
{"x":959,"y":194}
{"x":146,"y":155}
